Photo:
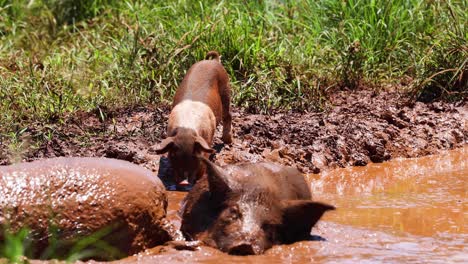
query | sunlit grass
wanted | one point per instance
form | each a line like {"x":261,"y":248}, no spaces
{"x":14,"y":247}
{"x":57,"y":57}
{"x":19,"y":246}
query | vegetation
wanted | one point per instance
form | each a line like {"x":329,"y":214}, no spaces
{"x":17,"y":247}
{"x":60,"y":56}
{"x":14,"y":246}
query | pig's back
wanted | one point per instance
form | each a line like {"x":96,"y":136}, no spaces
{"x":286,"y":182}
{"x":201,"y":84}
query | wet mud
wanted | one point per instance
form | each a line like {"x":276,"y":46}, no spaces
{"x":401,"y":211}
{"x":358,"y":128}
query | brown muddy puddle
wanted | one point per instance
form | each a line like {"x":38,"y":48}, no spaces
{"x":405,"y":210}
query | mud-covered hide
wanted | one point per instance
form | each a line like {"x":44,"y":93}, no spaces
{"x":245,"y":209}
{"x":72,"y":198}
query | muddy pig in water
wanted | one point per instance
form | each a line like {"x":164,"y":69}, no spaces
{"x":81,"y":196}
{"x":200,"y":102}
{"x":246,"y":209}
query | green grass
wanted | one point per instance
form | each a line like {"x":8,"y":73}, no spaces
{"x":57,"y":57}
{"x":19,"y":246}
{"x":15,"y":246}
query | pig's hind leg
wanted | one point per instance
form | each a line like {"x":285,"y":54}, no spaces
{"x":225,"y":92}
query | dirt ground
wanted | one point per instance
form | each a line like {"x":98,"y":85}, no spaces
{"x":359,"y":127}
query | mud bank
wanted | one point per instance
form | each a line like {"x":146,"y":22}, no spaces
{"x":359,"y":127}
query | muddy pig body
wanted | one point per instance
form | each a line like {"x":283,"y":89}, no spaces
{"x":246,"y":209}
{"x":200,"y":103}
{"x":81,"y":196}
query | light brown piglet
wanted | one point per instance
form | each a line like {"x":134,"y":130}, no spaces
{"x":200,"y":103}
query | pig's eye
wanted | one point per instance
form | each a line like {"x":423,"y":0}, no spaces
{"x":267,"y":226}
{"x":233,"y":213}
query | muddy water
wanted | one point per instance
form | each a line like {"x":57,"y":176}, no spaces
{"x":406,"y":210}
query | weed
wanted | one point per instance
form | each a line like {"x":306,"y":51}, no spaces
{"x":18,"y":246}
{"x":15,"y":246}
{"x":444,"y":68}
{"x":58,"y":57}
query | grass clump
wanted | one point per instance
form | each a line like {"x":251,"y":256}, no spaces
{"x":15,"y":246}
{"x":443,"y":70}
{"x":58,"y":57}
{"x":19,"y":246}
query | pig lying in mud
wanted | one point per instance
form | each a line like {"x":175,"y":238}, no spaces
{"x":246,"y":209}
{"x":200,"y":102}
{"x":82,"y":196}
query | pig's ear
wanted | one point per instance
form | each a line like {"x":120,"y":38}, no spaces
{"x":299,"y":216}
{"x":165,"y":145}
{"x":201,"y":145}
{"x":217,"y":178}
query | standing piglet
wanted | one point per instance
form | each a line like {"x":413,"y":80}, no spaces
{"x":200,"y":103}
{"x":246,"y":209}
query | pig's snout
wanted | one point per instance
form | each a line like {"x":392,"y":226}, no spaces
{"x":184,"y":183}
{"x":192,"y":176}
{"x":242,"y":249}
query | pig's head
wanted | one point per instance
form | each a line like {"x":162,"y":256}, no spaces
{"x":183,"y":146}
{"x":247,"y":219}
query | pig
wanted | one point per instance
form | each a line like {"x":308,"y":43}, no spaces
{"x":200,"y":103}
{"x":81,"y":196}
{"x":245,"y":209}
